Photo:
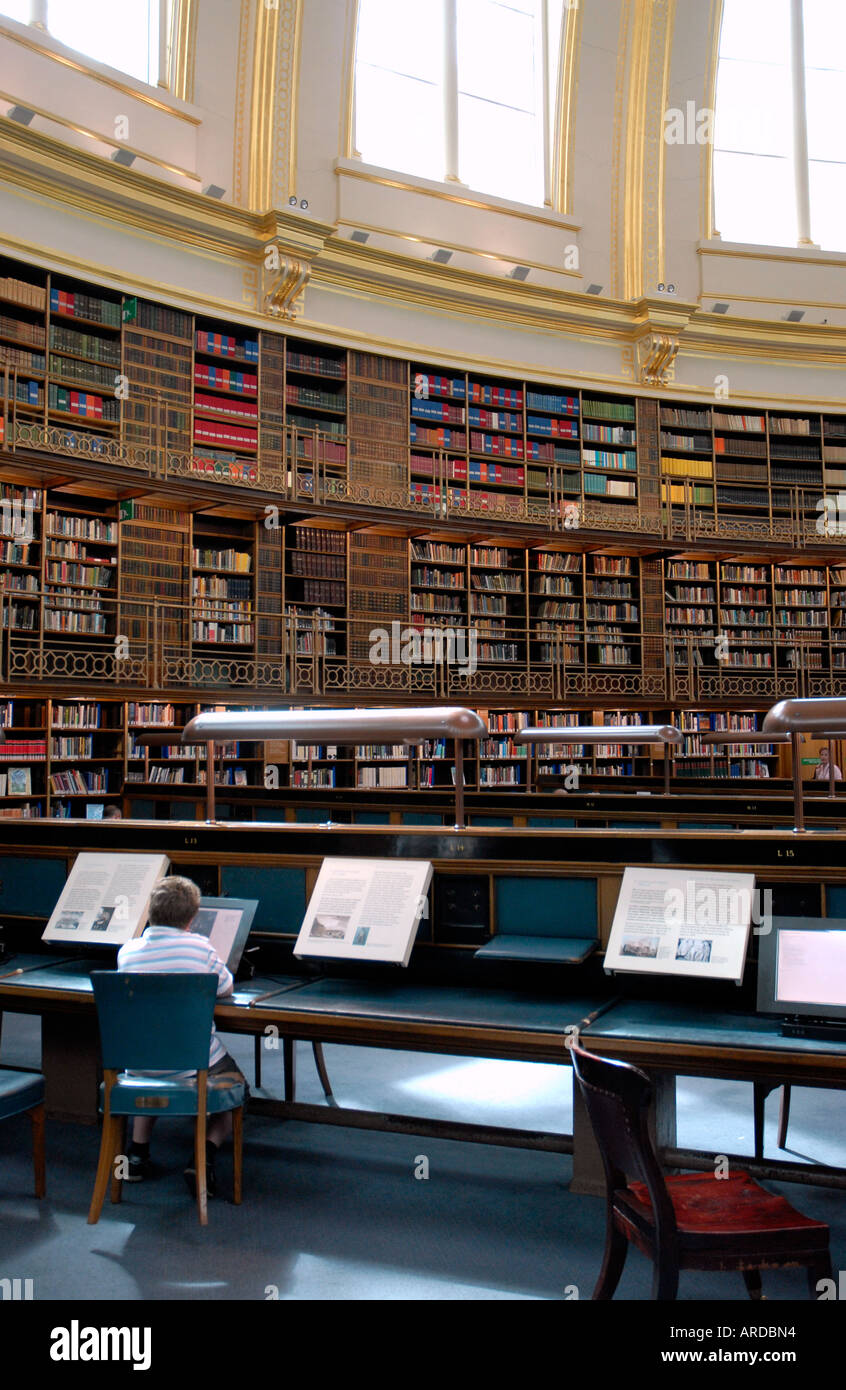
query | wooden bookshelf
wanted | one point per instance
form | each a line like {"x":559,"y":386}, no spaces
{"x":80,"y":567}
{"x":612,"y":611}
{"x":316,"y":591}
{"x":222,"y":583}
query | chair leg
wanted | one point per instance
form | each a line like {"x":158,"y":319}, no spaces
{"x":120,"y":1152}
{"x":820,"y":1269}
{"x":237,"y":1152}
{"x":258,"y":1042}
{"x":752,"y":1280}
{"x":760,"y":1091}
{"x":200,"y":1149}
{"x":616,"y":1250}
{"x":320,"y":1063}
{"x":665,"y":1281}
{"x":36,"y":1116}
{"x":784,"y":1116}
{"x":108,"y":1147}
{"x":289,"y":1067}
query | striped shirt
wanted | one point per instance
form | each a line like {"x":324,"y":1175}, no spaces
{"x":174,"y":951}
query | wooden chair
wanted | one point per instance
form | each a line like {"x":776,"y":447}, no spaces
{"x":687,"y":1222}
{"x":22,"y":1092}
{"x":151,"y":1023}
{"x":761,"y":1091}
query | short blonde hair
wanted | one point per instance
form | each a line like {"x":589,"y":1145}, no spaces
{"x":174,"y":902}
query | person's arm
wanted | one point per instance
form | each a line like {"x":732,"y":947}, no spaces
{"x":226,"y":982}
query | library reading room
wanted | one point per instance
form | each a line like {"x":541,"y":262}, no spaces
{"x":422,"y":560}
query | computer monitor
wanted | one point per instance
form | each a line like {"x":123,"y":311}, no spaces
{"x":802,"y":968}
{"x":226,"y":922}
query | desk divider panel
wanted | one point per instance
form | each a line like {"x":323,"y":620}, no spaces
{"x":281,"y":894}
{"x":31,"y":887}
{"x":546,"y":906}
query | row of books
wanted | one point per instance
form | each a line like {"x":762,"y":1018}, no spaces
{"x":74,"y":780}
{"x":236,"y":561}
{"x":237,"y":409}
{"x":225,"y":345}
{"x":317,"y":565}
{"x":222,"y":433}
{"x":85,"y":344}
{"x":90,"y":576}
{"x":34,"y":333}
{"x":74,"y":304}
{"x":81,"y":527}
{"x":320,"y":366}
{"x":310,"y":396}
{"x":21,"y":292}
{"x":225,"y":379}
{"x":36,"y":361}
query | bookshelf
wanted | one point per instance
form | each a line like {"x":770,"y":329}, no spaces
{"x":837,"y":611}
{"x":23,"y":759}
{"x":501,"y":763}
{"x":222,"y":583}
{"x":609,"y":449}
{"x":497,"y":603}
{"x":315,"y":415}
{"x":86,"y":761}
{"x":553,"y":450}
{"x":316,"y":590}
{"x":20,"y":557}
{"x":800,"y":607}
{"x":23,"y":341}
{"x":556,"y":592}
{"x":612,"y":610}
{"x":81,"y":566}
{"x":690,"y":611}
{"x":225,"y":397}
{"x":746,"y":615}
{"x":85,"y":356}
{"x":158,"y":352}
{"x":734,"y":761}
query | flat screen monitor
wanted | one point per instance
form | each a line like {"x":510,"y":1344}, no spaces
{"x":226,"y":922}
{"x":802,"y":968}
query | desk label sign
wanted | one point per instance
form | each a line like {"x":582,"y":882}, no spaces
{"x":365,"y":909}
{"x":688,"y":922}
{"x":105,"y":899}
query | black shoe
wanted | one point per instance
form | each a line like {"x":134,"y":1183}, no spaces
{"x":190,"y":1175}
{"x":138,"y":1168}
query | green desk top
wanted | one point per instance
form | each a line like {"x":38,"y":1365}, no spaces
{"x":675,"y":1023}
{"x":433,"y":1004}
{"x":554,"y":950}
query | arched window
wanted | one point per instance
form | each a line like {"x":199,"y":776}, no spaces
{"x":121,"y":33}
{"x":780,"y":136}
{"x":460,"y":90}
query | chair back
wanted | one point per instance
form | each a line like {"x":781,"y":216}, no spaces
{"x":154,"y":1022}
{"x":617,"y":1098}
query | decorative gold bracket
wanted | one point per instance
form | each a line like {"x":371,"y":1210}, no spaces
{"x":284,"y":280}
{"x":656,"y":355}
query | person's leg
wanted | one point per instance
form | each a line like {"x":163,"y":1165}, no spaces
{"x":218,"y":1128}
{"x":142,"y":1129}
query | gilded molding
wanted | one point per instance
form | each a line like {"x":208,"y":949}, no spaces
{"x":270,"y":153}
{"x":263,"y":107}
{"x":346,"y":132}
{"x":241,"y":151}
{"x":67,"y":60}
{"x":566,"y":110}
{"x":559,"y":222}
{"x":183,"y":48}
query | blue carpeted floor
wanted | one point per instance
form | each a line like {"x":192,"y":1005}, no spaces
{"x":333,"y":1213}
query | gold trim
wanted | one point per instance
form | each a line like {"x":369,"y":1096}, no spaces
{"x":68,"y":62}
{"x":837,"y":259}
{"x":183,"y":48}
{"x":346,"y":131}
{"x":568,"y":112}
{"x":710,"y":103}
{"x":263,"y":108}
{"x":291,"y":116}
{"x":508,"y":258}
{"x":103,"y":139}
{"x":617,"y":189}
{"x":769,"y":299}
{"x":560,"y":224}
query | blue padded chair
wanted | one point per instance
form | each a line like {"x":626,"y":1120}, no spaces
{"x":159,"y":1022}
{"x":23,"y":1091}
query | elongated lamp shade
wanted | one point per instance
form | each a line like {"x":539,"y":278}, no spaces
{"x":631,"y":735}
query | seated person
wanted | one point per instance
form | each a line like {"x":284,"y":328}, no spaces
{"x":825,"y":768}
{"x":168,"y":945}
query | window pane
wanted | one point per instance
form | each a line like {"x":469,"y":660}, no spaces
{"x":16,"y":9}
{"x":124,"y":35}
{"x":828,"y":205}
{"x":404,"y":36}
{"x":496,"y":53}
{"x":754,"y":199}
{"x":500,"y":151}
{"x":754,"y":108}
{"x":399,"y":123}
{"x":825,"y":34}
{"x":826,"y":107}
{"x":756,"y":29}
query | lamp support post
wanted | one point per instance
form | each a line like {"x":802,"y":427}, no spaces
{"x":831,"y":779}
{"x":459,"y":784}
{"x":210,"y":807}
{"x":798,"y":807}
{"x":667,"y":769}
